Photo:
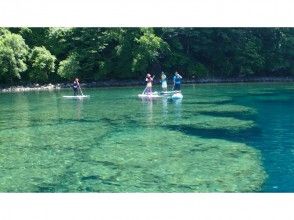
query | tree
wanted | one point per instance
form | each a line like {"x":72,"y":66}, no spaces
{"x":89,"y":45}
{"x":42,"y":64}
{"x":70,"y":67}
{"x":288,"y":51}
{"x":123,"y":52}
{"x":148,"y":50}
{"x":128,"y":53}
{"x":13,"y":55}
{"x":59,"y":41}
{"x":135,"y":52}
{"x":32,"y":36}
{"x":249,"y":57}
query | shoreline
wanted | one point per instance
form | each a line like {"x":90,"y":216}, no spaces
{"x":125,"y":83}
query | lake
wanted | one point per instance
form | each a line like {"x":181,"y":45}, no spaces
{"x":218,"y":138}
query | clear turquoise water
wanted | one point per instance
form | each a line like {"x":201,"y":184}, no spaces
{"x":219,"y":138}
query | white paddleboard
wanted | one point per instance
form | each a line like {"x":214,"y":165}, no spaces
{"x":76,"y":96}
{"x":152,"y":95}
{"x":177,"y":96}
{"x":149,"y":95}
{"x":167,"y":92}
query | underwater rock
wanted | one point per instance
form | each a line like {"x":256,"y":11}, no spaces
{"x":33,"y":170}
{"x":225,"y":108}
{"x":154,"y":161}
{"x":34,"y":160}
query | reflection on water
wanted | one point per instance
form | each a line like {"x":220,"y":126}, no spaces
{"x":78,"y":105}
{"x":164,"y":108}
{"x":147,"y":104}
{"x":178,"y":107}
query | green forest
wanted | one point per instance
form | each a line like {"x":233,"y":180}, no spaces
{"x":51,"y":55}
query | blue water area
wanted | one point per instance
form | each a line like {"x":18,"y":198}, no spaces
{"x":275,"y":117}
{"x":218,"y":138}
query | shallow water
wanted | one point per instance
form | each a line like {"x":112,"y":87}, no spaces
{"x":219,"y":138}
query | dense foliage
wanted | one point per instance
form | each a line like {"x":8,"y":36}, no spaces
{"x":13,"y":55}
{"x":41,"y":55}
{"x":43,"y":64}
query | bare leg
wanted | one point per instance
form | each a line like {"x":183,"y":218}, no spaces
{"x":148,"y":90}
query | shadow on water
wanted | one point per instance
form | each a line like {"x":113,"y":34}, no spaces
{"x":230,"y":114}
{"x":207,"y":133}
{"x":209,"y":102}
{"x":242,"y":135}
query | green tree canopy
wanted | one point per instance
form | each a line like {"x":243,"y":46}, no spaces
{"x":42,"y":64}
{"x":148,"y":50}
{"x":13,"y":56}
{"x":129,"y":53}
{"x":70,"y":67}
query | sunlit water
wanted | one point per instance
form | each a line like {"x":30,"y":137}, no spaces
{"x":219,"y":138}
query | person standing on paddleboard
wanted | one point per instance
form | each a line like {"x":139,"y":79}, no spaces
{"x":76,"y":86}
{"x":149,"y":81}
{"x":163,"y":82}
{"x":177,"y":81}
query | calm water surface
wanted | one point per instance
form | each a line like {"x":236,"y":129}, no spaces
{"x":219,"y":138}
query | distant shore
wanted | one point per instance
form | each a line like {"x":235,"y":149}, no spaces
{"x":123,"y":83}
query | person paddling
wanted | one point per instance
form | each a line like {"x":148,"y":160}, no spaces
{"x":177,"y":81}
{"x":163,"y":82}
{"x":76,"y":86}
{"x":149,"y":81}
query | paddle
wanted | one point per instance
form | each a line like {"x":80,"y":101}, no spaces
{"x":144,"y":90}
{"x":81,"y":91}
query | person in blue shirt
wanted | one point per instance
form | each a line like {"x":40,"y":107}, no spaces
{"x":76,"y":86}
{"x":177,"y":81}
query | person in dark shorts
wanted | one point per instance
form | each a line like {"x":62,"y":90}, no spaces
{"x":149,"y":80}
{"x":76,"y":86}
{"x":177,"y":81}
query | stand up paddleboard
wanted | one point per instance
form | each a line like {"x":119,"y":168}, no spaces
{"x":167,"y":92}
{"x":152,"y":95}
{"x":149,"y":96}
{"x":177,"y":95}
{"x":76,"y":96}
